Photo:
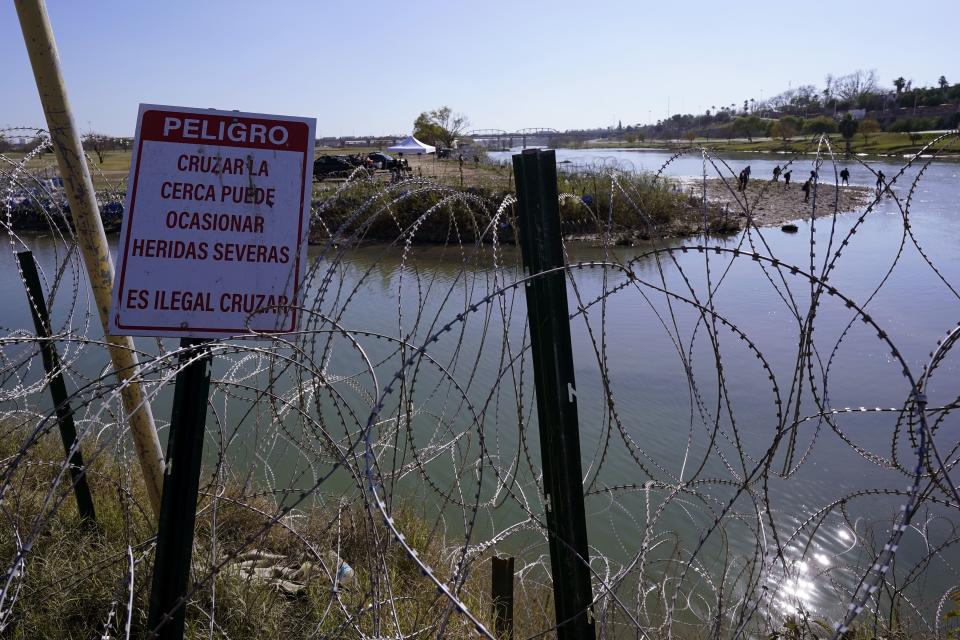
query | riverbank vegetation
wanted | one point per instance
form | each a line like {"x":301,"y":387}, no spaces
{"x":900,"y":108}
{"x":89,"y":581}
{"x":622,"y":205}
{"x":444,"y":197}
{"x":83,"y":581}
{"x":878,"y":144}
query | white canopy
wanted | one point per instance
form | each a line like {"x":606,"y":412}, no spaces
{"x":411,"y":146}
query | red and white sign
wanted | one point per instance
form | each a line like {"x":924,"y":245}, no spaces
{"x":214,"y":237}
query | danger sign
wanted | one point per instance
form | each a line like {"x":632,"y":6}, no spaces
{"x":214,"y":236}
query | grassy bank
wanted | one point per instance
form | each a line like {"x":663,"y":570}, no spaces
{"x":456,"y":203}
{"x":627,"y":206}
{"x":880,"y":144}
{"x":75,"y":580}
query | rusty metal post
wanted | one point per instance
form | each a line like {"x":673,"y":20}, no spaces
{"x":38,"y":36}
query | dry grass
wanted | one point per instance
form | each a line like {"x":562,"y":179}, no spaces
{"x":75,"y":579}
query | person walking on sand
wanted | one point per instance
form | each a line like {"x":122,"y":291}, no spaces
{"x":880,"y":178}
{"x":845,"y":177}
{"x":786,"y":179}
{"x":776,"y":173}
{"x":806,"y":190}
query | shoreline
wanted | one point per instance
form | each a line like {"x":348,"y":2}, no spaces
{"x":950,"y":154}
{"x":771,"y":204}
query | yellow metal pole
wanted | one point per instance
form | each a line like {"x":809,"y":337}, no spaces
{"x":38,"y":36}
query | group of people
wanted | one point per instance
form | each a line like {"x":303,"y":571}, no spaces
{"x":361,"y":160}
{"x":399,"y":167}
{"x":807,"y":186}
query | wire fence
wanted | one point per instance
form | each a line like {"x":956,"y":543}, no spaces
{"x":767,"y":419}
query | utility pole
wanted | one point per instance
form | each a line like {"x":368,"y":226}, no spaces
{"x":78,"y":187}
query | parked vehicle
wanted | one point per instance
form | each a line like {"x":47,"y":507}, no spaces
{"x":332,"y":166}
{"x":382,"y":160}
{"x":111,"y":211}
{"x":355,"y":160}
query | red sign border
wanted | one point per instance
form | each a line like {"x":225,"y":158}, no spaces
{"x":245,"y":331}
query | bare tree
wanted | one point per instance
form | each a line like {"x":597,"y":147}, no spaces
{"x":781,"y":100}
{"x":851,"y":87}
{"x":99,"y":144}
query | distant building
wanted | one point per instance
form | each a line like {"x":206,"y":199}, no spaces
{"x":856,"y":114}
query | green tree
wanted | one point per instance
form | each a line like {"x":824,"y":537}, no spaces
{"x":440,"y":127}
{"x":425,"y":130}
{"x":907,"y":125}
{"x":867,"y":127}
{"x":900,"y":83}
{"x":943,"y":82}
{"x":749,"y":126}
{"x":848,"y":128}
{"x":784,"y":129}
{"x":820,"y":124}
{"x":789,"y":127}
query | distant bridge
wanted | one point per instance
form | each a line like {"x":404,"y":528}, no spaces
{"x":500,"y":139}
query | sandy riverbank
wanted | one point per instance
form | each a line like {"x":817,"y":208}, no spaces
{"x":773,"y":203}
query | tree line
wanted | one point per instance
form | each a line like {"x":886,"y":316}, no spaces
{"x":900,"y":107}
{"x":96,"y":144}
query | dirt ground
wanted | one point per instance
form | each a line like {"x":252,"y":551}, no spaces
{"x":774,"y":203}
{"x":448,"y":171}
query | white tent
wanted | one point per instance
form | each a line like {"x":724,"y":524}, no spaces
{"x":412,"y":147}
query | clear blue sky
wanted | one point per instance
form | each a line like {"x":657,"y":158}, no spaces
{"x":368,"y":66}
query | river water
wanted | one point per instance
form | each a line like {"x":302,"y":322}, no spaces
{"x":674,"y":413}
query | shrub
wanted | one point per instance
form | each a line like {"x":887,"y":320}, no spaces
{"x":749,"y":126}
{"x":820,"y":124}
{"x":949,"y":122}
{"x":906,"y":125}
{"x":786,"y":127}
{"x":867,"y":127}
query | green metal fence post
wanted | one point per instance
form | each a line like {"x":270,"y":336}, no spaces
{"x":58,"y":388}
{"x":501,"y":593}
{"x":542,"y":250}
{"x":181,"y":483}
